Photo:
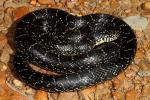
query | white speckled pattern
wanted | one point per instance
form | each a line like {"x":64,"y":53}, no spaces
{"x":85,"y":50}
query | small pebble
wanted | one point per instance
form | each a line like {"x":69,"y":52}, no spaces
{"x":57,"y":1}
{"x":10,"y":11}
{"x":21,"y":11}
{"x":148,"y":55}
{"x":2,"y":2}
{"x":130,"y":74}
{"x":146,"y":89}
{"x":30,"y":91}
{"x":127,"y":84}
{"x":87,"y":93}
{"x":8,"y":20}
{"x":68,"y":96}
{"x":144,"y":65}
{"x":41,"y":95}
{"x":14,"y":3}
{"x":131,"y":95}
{"x":8,"y":49}
{"x":144,"y":73}
{"x":70,"y":5}
{"x":53,"y":96}
{"x":3,"y":40}
{"x":1,"y":12}
{"x":146,"y":6}
{"x":118,"y":95}
{"x":127,"y":11}
{"x":145,"y":69}
{"x":17,"y":83}
{"x":3,"y":67}
{"x":92,"y":4}
{"x":5,"y":57}
{"x":137,"y":22}
{"x":38,"y":4}
{"x":140,"y":54}
{"x":146,"y":14}
{"x":33,"y":2}
{"x":46,"y":2}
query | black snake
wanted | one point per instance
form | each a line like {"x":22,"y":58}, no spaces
{"x":82,"y":50}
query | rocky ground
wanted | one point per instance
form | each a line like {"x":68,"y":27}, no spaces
{"x":132,"y":84}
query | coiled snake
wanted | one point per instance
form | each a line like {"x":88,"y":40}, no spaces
{"x":82,"y":50}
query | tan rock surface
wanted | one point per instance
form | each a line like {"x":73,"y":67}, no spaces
{"x":3,"y":40}
{"x":20,"y":12}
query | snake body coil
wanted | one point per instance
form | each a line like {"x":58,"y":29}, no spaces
{"x":82,"y":50}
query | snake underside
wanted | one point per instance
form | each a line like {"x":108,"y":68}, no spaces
{"x":82,"y":50}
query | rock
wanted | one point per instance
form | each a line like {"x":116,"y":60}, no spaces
{"x":125,"y":4}
{"x":118,"y":95}
{"x":21,"y":11}
{"x":53,"y":96}
{"x":17,"y":83}
{"x":140,"y":35}
{"x":142,"y":73}
{"x":138,"y":80}
{"x":68,"y":96}
{"x":21,"y":1}
{"x":148,"y":54}
{"x":146,"y":14}
{"x":114,"y":4}
{"x":128,"y":11}
{"x":41,"y":95}
{"x":30,"y":91}
{"x":102,"y":92}
{"x":7,"y":20}
{"x":59,"y":5}
{"x":2,"y":2}
{"x":15,"y":3}
{"x":3,"y":67}
{"x":146,"y":6}
{"x":2,"y":79}
{"x":57,"y":1}
{"x":145,"y":69}
{"x":4,"y":90}
{"x":5,"y":57}
{"x":146,"y":89}
{"x":8,"y":16}
{"x":127,"y":84}
{"x":137,"y":22}
{"x":8,"y":49}
{"x":87,"y":93}
{"x":33,"y":2}
{"x":138,"y":87}
{"x":131,"y":95}
{"x":3,"y":40}
{"x":6,"y":93}
{"x":70,"y":4}
{"x":140,"y":54}
{"x":144,"y":65}
{"x":118,"y":80}
{"x":46,"y":2}
{"x":13,"y":95}
{"x":10,"y":11}
{"x":92,"y":4}
{"x":1,"y":12}
{"x":130,"y":74}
